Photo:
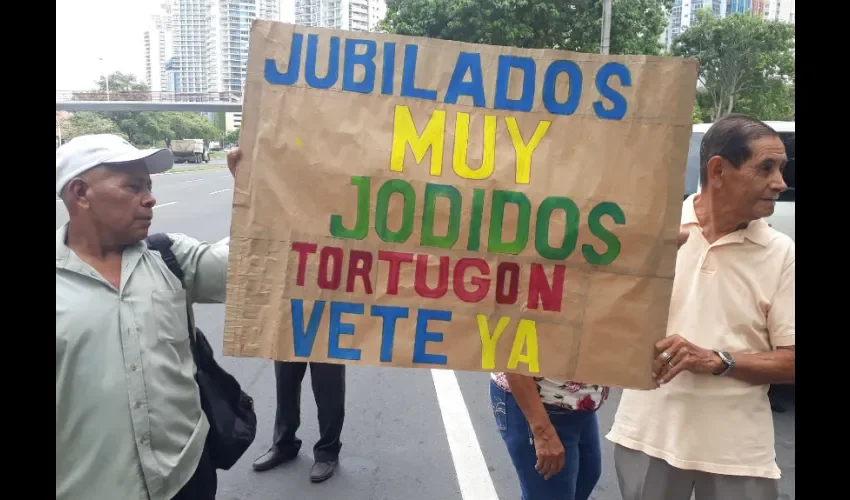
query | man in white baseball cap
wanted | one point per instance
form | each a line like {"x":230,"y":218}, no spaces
{"x":129,"y":422}
{"x":88,"y":151}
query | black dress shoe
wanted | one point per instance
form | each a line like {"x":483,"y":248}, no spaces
{"x":272,"y":458}
{"x":322,"y":471}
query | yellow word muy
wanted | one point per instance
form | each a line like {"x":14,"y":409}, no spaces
{"x":433,"y":137}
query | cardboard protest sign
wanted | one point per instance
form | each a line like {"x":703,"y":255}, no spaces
{"x":422,"y":203}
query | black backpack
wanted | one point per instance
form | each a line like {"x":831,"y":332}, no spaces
{"x":230,"y":412}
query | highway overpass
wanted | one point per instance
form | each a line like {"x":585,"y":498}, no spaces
{"x":70,"y":100}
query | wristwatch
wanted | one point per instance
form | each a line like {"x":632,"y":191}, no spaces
{"x":728,"y":360}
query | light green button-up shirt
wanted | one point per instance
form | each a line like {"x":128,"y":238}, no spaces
{"x":129,"y":424}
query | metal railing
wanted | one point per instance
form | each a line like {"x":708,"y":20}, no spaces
{"x":147,"y":96}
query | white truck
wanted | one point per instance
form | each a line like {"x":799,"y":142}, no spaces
{"x":190,"y":151}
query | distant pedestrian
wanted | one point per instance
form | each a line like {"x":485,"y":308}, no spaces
{"x":328,"y":381}
{"x":708,"y":429}
{"x":129,"y":423}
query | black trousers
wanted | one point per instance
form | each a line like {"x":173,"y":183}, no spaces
{"x":329,"y":391}
{"x":203,"y":483}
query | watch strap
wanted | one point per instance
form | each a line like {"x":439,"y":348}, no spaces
{"x":728,"y":360}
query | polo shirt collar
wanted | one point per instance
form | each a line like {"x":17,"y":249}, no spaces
{"x":757,"y":231}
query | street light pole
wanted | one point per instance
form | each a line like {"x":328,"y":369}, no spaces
{"x":606,"y":27}
{"x":106,"y":78}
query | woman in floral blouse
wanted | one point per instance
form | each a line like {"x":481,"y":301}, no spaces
{"x":551,"y":432}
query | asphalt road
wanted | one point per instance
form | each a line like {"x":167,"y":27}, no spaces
{"x":396,"y":445}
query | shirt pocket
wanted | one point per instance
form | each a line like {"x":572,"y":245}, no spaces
{"x":169,"y":315}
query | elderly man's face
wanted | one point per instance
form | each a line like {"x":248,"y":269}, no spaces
{"x":119,"y":202}
{"x":755,"y":186}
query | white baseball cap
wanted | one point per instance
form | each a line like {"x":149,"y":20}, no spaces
{"x":85,"y":152}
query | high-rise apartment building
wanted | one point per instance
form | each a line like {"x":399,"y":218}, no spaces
{"x":755,"y":7}
{"x":684,"y":12}
{"x":202,"y":45}
{"x":210,"y":39}
{"x":355,"y":15}
{"x":229,"y":24}
{"x":377,"y":13}
{"x":781,"y":10}
{"x":190,"y":31}
{"x":208,"y":50}
{"x":158,"y":49}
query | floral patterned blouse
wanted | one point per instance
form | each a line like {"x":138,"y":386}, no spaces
{"x":563,"y":393}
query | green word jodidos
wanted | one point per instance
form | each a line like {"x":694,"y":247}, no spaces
{"x":495,"y":242}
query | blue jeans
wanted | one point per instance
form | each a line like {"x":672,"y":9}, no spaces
{"x":579,"y":433}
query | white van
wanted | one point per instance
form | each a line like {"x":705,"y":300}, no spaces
{"x":783,"y":216}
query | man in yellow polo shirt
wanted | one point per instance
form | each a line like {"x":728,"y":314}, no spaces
{"x":708,"y":429}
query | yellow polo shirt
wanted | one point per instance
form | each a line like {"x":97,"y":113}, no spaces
{"x":735,"y":295}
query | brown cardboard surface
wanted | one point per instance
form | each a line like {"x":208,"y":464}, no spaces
{"x":305,"y":148}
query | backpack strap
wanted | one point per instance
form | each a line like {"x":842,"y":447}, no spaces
{"x":161,"y":243}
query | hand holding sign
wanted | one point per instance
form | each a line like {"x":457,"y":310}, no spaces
{"x":233,"y":159}
{"x":675,"y":355}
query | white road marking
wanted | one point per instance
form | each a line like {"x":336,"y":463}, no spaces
{"x":221,"y":191}
{"x":226,"y":177}
{"x":193,"y":180}
{"x":473,"y":477}
{"x":164,"y":204}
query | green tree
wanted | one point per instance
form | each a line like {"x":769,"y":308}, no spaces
{"x":192,"y":126}
{"x":221,"y":122}
{"x":161,"y":127}
{"x":771,"y":101}
{"x":697,"y":114}
{"x":232,"y":137}
{"x":135,"y":126}
{"x":144,"y":128}
{"x":122,"y":83}
{"x":702,"y":107}
{"x":122,"y":86}
{"x":746,"y":63}
{"x":576,"y":25}
{"x":85,"y":123}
